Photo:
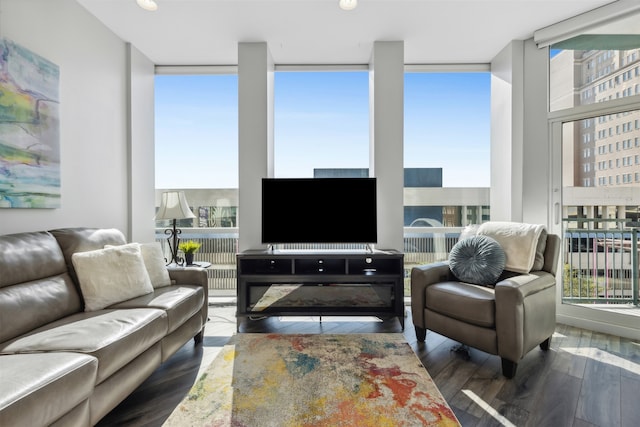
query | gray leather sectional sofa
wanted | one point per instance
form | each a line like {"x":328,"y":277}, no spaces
{"x":62,"y":366}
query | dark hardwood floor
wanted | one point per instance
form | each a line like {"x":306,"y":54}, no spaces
{"x":585,"y":379}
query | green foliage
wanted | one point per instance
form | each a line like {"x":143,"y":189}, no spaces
{"x":189,"y":246}
{"x":576,"y":286}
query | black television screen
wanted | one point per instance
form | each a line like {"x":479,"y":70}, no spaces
{"x":319,"y":210}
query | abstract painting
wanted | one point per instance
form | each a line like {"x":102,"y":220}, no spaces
{"x":29,"y":129}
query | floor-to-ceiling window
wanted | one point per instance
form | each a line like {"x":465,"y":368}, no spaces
{"x":321,"y":124}
{"x":446,"y":158}
{"x":196,"y":149}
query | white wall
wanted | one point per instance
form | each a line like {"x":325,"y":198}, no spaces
{"x":93,"y":113}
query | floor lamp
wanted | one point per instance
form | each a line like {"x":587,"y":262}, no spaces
{"x":174,"y":206}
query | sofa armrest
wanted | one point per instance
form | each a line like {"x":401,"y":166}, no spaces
{"x":193,"y":276}
{"x":525,"y":312}
{"x":421,"y":278}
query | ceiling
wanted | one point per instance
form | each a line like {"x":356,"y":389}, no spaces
{"x":207,"y":32}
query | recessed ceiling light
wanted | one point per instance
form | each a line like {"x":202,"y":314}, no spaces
{"x":348,"y":4}
{"x":147,"y":5}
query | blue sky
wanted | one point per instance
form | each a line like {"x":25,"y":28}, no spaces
{"x":321,"y":121}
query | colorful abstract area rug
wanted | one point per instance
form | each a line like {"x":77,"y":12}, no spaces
{"x":359,"y":380}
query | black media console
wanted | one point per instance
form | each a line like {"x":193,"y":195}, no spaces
{"x":317,"y":283}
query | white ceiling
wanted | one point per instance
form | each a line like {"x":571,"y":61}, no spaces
{"x":207,"y":32}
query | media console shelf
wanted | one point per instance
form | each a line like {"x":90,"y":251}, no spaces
{"x":329,"y":283}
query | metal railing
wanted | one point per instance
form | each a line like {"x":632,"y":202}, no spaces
{"x":600,"y":262}
{"x":599,"y":265}
{"x":218,"y":247}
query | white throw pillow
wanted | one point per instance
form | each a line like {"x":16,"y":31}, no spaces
{"x":154,"y":262}
{"x":111,"y":275}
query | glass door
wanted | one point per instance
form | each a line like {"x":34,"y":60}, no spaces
{"x":599,"y":210}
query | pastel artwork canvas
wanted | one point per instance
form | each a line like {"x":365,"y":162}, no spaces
{"x":29,"y":129}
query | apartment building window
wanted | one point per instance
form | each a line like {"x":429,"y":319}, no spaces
{"x":586,"y":80}
{"x":321,"y":123}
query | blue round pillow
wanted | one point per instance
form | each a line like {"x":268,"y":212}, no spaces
{"x":479,"y":260}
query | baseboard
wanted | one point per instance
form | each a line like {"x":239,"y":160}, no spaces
{"x":598,"y":326}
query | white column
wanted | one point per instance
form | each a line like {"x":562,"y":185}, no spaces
{"x":520,"y":148}
{"x":386,"y":103}
{"x":141,"y":146}
{"x":255,"y":138}
{"x":537,"y":204}
{"x":506,"y":133}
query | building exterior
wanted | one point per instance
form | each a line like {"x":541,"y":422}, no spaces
{"x":601,"y":155}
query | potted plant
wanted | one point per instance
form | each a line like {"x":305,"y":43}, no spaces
{"x":189,"y":248}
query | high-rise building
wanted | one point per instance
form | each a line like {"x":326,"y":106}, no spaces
{"x":605,"y":149}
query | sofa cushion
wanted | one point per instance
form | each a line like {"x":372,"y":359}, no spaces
{"x":81,"y":239}
{"x":478,"y":260}
{"x":111,"y":275}
{"x":115,"y":337}
{"x":30,"y":305}
{"x":180,"y":302}
{"x":26,"y":257}
{"x":37,"y":389}
{"x":519,"y":241}
{"x":35,"y":288}
{"x":463,"y":301}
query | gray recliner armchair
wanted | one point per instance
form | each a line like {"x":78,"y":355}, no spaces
{"x":507,"y":319}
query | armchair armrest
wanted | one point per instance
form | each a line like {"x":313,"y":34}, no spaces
{"x":193,"y":276}
{"x":525,"y":312}
{"x":515,"y":289}
{"x":421,"y":278}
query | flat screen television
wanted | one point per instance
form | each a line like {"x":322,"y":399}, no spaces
{"x":319,"y":210}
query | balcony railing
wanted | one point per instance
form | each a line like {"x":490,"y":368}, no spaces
{"x":599,"y":265}
{"x":219,"y":247}
{"x":600,"y":262}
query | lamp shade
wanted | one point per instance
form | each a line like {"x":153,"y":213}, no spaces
{"x":174,"y":206}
